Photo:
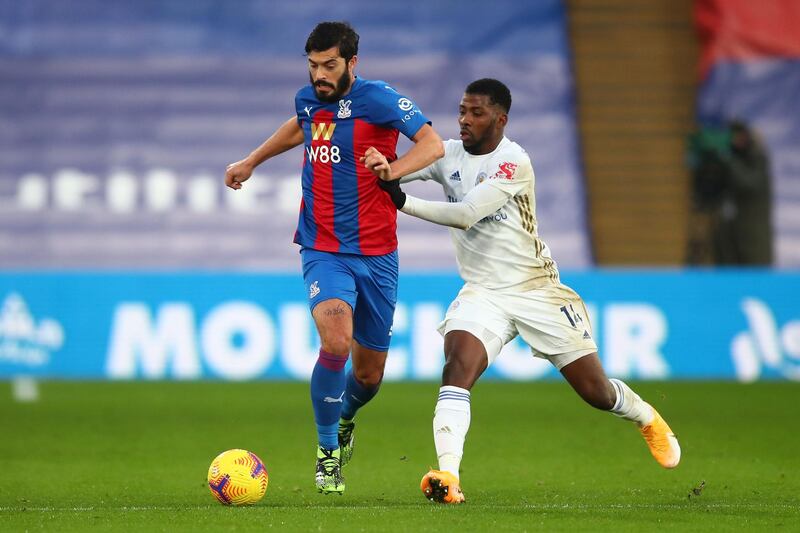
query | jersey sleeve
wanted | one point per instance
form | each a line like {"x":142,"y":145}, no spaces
{"x":511,"y":173}
{"x":480,"y":202}
{"x":425,"y":174}
{"x":389,"y":108}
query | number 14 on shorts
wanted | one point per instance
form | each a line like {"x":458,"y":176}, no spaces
{"x":571,"y":315}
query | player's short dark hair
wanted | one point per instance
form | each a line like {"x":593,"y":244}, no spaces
{"x":329,"y":34}
{"x":496,"y":90}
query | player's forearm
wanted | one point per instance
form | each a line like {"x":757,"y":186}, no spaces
{"x":285,"y":138}
{"x":418,"y":175}
{"x":428,"y":147}
{"x":461,"y":215}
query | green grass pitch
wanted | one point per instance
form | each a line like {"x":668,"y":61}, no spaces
{"x":134,"y":456}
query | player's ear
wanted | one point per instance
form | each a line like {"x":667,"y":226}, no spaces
{"x":351,"y":65}
{"x":502,"y":119}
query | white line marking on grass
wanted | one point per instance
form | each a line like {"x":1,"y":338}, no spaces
{"x":532,"y":506}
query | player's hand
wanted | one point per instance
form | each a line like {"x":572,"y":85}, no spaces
{"x":377,"y":163}
{"x":237,"y":173}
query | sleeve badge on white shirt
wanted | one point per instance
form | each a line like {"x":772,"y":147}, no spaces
{"x":506,"y":171}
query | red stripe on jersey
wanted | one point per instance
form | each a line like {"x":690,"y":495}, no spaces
{"x":302,"y":208}
{"x":322,"y":187}
{"x":377,"y":216}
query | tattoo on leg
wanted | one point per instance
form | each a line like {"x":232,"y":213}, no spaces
{"x":333,"y":312}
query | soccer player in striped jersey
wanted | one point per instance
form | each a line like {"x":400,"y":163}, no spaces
{"x":512,"y":285}
{"x":347,"y":227}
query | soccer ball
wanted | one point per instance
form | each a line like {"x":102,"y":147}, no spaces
{"x":237,"y":477}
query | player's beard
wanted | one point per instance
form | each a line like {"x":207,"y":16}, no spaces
{"x":478,"y":145}
{"x":474,"y":144}
{"x":341,"y":87}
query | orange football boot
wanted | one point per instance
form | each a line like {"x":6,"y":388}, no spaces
{"x":442,"y":487}
{"x":662,"y":442}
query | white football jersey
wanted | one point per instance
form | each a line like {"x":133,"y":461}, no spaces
{"x":502,"y":250}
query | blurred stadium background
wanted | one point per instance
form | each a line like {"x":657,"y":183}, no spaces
{"x":123,"y":257}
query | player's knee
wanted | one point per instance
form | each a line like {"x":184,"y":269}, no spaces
{"x":368,"y":377}
{"x":337,"y":343}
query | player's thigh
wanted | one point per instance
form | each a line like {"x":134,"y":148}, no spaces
{"x":554,"y":322}
{"x":331,"y":297}
{"x":376,"y":288}
{"x":474,"y":311}
{"x":334,"y":321}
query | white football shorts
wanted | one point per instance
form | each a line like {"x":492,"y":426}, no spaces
{"x":552,"y":320}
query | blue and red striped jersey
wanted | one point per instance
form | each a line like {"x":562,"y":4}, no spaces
{"x":343,"y":209}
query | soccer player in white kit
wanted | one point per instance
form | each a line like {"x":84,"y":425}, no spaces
{"x":511,"y":287}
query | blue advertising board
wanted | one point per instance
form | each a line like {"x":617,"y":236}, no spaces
{"x":733,"y":325}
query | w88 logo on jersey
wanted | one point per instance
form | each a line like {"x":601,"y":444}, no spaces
{"x":323,"y":154}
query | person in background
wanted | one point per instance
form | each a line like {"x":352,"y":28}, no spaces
{"x":732,"y":198}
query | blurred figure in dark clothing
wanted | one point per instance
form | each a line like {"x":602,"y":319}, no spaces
{"x":732,"y":198}
{"x":745,"y":233}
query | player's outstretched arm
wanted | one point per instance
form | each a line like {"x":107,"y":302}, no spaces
{"x":480,"y":202}
{"x":428,"y":147}
{"x":285,"y":138}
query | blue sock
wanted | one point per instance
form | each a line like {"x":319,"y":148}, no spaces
{"x":356,"y":396}
{"x":327,"y":391}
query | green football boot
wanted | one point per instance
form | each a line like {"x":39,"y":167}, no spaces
{"x":329,"y":471}
{"x":346,"y":439}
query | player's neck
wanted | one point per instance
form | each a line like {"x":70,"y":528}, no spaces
{"x":484,"y":148}
{"x":350,"y":88}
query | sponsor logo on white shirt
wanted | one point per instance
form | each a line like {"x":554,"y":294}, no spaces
{"x":506,"y":171}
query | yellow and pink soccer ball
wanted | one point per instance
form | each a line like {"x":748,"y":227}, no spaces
{"x":237,"y":477}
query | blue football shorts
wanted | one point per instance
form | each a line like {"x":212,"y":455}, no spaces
{"x":368,"y":283}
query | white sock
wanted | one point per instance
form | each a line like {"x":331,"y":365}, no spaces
{"x":450,"y":425}
{"x":629,"y":405}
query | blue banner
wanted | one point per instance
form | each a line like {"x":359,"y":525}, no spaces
{"x":731,"y":325}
